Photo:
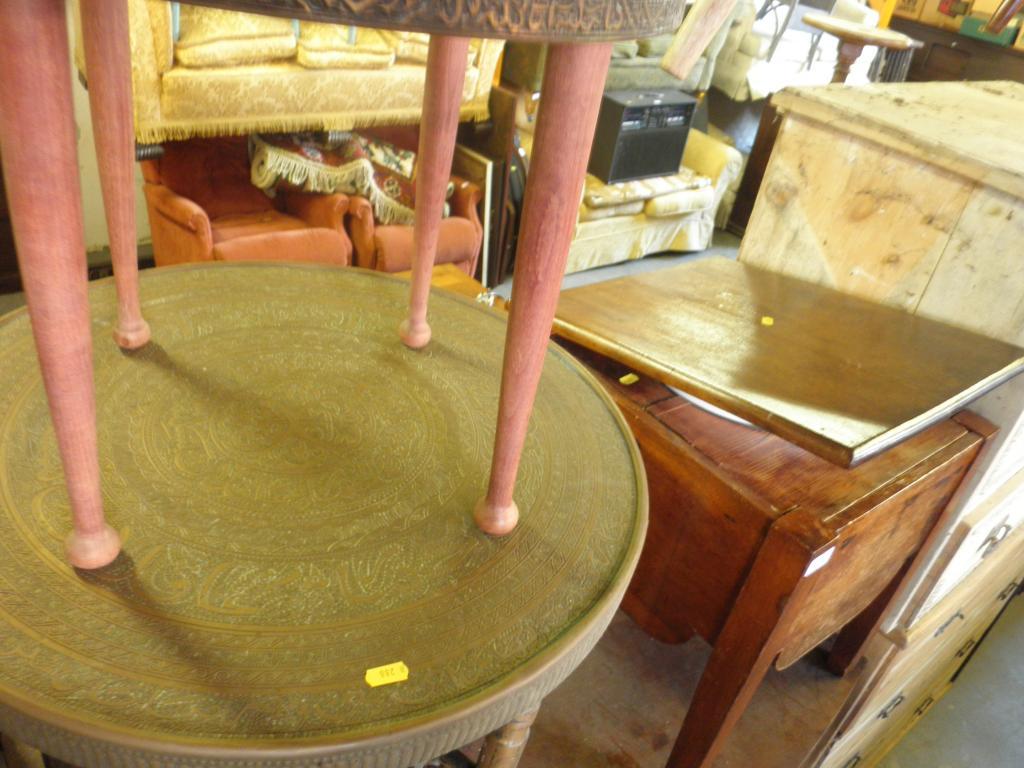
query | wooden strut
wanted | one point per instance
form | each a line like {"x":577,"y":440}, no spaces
{"x":108,"y":62}
{"x":43,"y":194}
{"x":446,"y":73}
{"x":504,"y":748}
{"x":573,"y":81}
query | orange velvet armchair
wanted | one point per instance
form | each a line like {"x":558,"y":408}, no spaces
{"x":388,"y":248}
{"x":202,"y":207}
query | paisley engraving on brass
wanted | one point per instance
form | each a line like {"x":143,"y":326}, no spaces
{"x":294,"y":491}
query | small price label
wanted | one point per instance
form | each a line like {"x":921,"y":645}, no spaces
{"x":396,"y":672}
{"x":767,"y":320}
{"x":629,"y":378}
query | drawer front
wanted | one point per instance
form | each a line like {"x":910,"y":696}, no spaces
{"x":989,"y":528}
{"x":1004,"y":453}
{"x":871,"y":739}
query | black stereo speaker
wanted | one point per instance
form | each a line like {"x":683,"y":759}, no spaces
{"x":640,"y":134}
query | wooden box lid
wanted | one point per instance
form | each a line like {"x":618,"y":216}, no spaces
{"x":967,"y":128}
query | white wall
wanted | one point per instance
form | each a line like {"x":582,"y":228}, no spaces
{"x":96,"y":236}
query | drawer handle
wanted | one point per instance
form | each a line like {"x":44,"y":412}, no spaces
{"x":925,"y":706}
{"x":1010,"y":589}
{"x":948,"y":623}
{"x":991,"y":544}
{"x":891,"y":707}
{"x":965,"y":648}
{"x":852,"y":761}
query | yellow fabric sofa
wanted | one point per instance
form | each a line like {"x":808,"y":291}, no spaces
{"x":620,"y":222}
{"x":230,"y":73}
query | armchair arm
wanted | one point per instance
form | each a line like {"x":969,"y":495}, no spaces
{"x":714,"y":159}
{"x":361,"y":228}
{"x":465,"y":199}
{"x":181,"y":229}
{"x":327,"y":211}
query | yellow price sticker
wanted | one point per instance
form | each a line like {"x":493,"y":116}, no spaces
{"x":767,"y":320}
{"x":629,"y":378}
{"x":388,"y":674}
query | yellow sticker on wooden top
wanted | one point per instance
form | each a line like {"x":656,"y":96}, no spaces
{"x":767,"y":320}
{"x":629,"y":378}
{"x":395,"y":672}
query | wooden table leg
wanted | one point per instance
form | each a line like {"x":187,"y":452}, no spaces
{"x":848,"y":53}
{"x":108,"y":61}
{"x":37,"y":136}
{"x":573,"y":80}
{"x":745,"y":649}
{"x":18,"y":755}
{"x":504,"y":747}
{"x":446,"y":73}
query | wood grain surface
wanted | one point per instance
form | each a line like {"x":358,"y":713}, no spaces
{"x":840,"y":376}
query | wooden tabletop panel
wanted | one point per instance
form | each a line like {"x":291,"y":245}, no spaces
{"x":840,"y":376}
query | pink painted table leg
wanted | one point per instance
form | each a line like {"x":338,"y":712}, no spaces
{"x":571,"y":96}
{"x":446,"y":73}
{"x":37,"y":140}
{"x":108,"y":62}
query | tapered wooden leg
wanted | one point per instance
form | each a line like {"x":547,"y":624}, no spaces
{"x":18,"y":755}
{"x":446,"y":73}
{"x":108,"y":62}
{"x":37,"y":140}
{"x":848,"y":54}
{"x":746,"y":647}
{"x":504,"y":747}
{"x":571,"y":96}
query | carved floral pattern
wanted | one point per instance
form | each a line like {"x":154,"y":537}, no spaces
{"x":568,"y":20}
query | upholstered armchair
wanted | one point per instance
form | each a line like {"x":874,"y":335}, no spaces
{"x":202,"y":207}
{"x":388,"y":247}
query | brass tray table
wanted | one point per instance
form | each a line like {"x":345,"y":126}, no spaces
{"x":291,"y":484}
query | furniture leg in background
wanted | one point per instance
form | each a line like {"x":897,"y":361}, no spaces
{"x":18,"y":755}
{"x":747,"y":646}
{"x":446,"y":72}
{"x":108,"y":62}
{"x":573,"y":81}
{"x":42,"y":176}
{"x":504,"y":748}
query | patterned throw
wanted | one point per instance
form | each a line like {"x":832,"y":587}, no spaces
{"x":356,"y":165}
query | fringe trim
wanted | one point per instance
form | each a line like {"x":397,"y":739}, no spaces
{"x":271,"y":165}
{"x":157,"y":132}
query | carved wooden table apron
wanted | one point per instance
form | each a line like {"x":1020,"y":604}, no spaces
{"x":218,"y":636}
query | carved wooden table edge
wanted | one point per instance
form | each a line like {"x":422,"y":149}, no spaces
{"x":582,"y":21}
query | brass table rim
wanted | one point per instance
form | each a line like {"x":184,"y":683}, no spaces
{"x":537,"y":677}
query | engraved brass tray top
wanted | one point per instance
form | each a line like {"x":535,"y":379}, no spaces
{"x":843,"y":377}
{"x":294,"y":490}
{"x":567,"y":21}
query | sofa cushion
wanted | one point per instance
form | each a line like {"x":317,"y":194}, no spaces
{"x":597,"y":194}
{"x":457,"y":242}
{"x":322,"y":46}
{"x":234,"y":226}
{"x":276,"y":94}
{"x":678,"y":203}
{"x":622,"y":209}
{"x":309,"y":244}
{"x":215,"y":38}
{"x":655,"y":46}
